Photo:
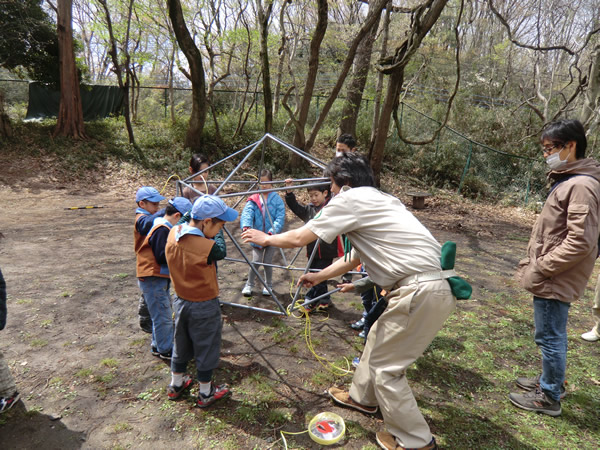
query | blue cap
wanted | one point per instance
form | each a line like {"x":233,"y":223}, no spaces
{"x":181,"y":204}
{"x":211,"y":206}
{"x":149,"y":194}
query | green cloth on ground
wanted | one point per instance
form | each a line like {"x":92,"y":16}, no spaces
{"x":460,"y":288}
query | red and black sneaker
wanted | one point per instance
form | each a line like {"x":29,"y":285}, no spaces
{"x":217,"y":392}
{"x":8,"y":402}
{"x":174,"y":392}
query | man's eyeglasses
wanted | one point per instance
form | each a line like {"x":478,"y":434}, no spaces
{"x":548,"y":149}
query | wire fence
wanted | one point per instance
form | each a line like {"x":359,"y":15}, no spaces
{"x":455,"y":161}
{"x":452,"y":161}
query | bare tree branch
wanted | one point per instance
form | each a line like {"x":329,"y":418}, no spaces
{"x":450,"y":99}
{"x":537,"y":47}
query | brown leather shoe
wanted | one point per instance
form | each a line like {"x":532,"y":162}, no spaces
{"x":387,"y":441}
{"x":343,"y":398}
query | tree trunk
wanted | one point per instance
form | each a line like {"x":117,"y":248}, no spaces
{"x":5,"y":126}
{"x":70,"y":112}
{"x":282,"y":52}
{"x":591,"y":99}
{"x":311,"y":77}
{"x":391,"y":101}
{"x":372,"y":17}
{"x":263,"y":22}
{"x":423,"y":19}
{"x":193,"y":138}
{"x":379,"y":84}
{"x":123,"y":84}
{"x":362,"y":62}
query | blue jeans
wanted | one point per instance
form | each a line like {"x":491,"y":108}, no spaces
{"x":158,"y":299}
{"x":550,"y":317}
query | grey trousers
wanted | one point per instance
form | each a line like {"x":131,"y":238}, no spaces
{"x":198,"y":328}
{"x":7,"y":382}
{"x":264,"y":255}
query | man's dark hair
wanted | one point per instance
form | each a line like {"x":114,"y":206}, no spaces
{"x":348,"y":140}
{"x":565,"y":130}
{"x":197,"y":160}
{"x":350,"y":169}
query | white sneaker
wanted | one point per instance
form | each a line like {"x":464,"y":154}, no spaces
{"x":590,"y":336}
{"x":266,"y":291}
{"x":247,"y":291}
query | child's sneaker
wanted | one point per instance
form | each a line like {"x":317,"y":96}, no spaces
{"x":359,"y":324}
{"x":323,"y":307}
{"x":174,"y":392}
{"x":247,"y":291}
{"x":7,"y":403}
{"x":154,"y":351}
{"x":165,"y":356}
{"x":217,"y":392}
{"x":311,"y":307}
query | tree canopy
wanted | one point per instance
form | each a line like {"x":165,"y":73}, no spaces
{"x":28,"y":40}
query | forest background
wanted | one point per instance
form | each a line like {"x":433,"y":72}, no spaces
{"x":451,"y":93}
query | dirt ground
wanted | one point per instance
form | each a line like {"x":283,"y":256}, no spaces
{"x":83,"y":365}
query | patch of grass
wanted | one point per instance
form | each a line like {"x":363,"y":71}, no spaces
{"x":323,"y":378}
{"x":138,"y":342}
{"x":355,"y":430}
{"x":277,"y":417}
{"x":33,"y":411}
{"x":247,"y":414}
{"x":38,"y":342}
{"x":214,"y":425}
{"x":55,"y":382}
{"x":24,"y":301}
{"x":106,"y":378}
{"x":120,"y":276}
{"x":84,"y":373}
{"x":46,"y":323}
{"x":148,"y":395}
{"x":109,"y":362}
{"x":66,"y":294}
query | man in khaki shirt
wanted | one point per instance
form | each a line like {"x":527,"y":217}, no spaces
{"x":403,"y":258}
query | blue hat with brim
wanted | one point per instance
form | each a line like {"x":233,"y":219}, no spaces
{"x":212,"y":207}
{"x":149,"y":194}
{"x":181,"y":204}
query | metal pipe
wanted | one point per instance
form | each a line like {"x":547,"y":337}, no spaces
{"x":281,"y":307}
{"x":297,"y":151}
{"x":253,"y":308}
{"x":232,"y":173}
{"x":297,"y":180}
{"x":284,"y":188}
{"x":219,"y":162}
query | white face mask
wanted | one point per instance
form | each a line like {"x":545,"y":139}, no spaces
{"x":338,"y":153}
{"x":554,"y":161}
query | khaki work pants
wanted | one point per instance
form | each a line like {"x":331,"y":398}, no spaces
{"x":412,"y":319}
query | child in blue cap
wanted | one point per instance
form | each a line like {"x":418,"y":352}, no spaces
{"x":147,"y":199}
{"x":192,"y":250}
{"x":153,"y":276}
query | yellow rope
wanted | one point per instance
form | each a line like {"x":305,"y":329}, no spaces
{"x":329,"y":366}
{"x":290,"y":433}
{"x":167,"y":182}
